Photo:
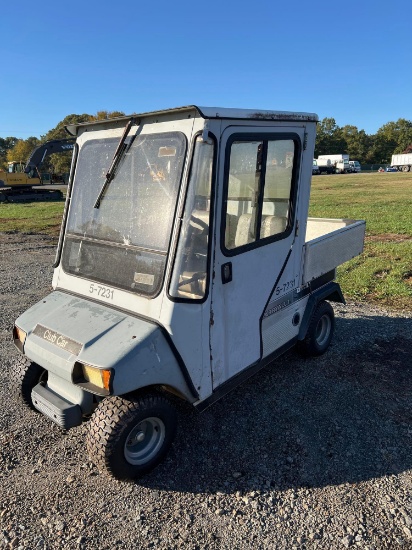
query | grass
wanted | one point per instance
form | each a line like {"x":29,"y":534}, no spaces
{"x":35,"y":217}
{"x":382,"y":274}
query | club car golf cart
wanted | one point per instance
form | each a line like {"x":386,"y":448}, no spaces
{"x":186,"y":262}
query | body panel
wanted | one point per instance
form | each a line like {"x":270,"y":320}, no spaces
{"x":136,"y":348}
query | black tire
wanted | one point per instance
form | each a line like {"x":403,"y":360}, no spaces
{"x":25,"y":376}
{"x":129,"y":436}
{"x":320,"y":331}
{"x":405,"y":168}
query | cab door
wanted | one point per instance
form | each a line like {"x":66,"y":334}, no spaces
{"x":254,"y":262}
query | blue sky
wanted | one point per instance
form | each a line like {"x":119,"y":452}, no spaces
{"x":348,"y":60}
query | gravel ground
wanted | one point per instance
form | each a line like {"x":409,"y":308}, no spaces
{"x":309,"y":453}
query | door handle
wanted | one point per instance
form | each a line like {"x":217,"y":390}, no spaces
{"x":226,"y":272}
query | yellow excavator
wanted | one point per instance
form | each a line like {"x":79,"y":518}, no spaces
{"x":17,"y":184}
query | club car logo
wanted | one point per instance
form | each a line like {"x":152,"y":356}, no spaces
{"x":58,"y":339}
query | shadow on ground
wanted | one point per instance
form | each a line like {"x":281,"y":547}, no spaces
{"x":345,"y":417}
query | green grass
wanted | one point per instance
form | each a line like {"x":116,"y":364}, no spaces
{"x":35,"y":217}
{"x":382,"y":274}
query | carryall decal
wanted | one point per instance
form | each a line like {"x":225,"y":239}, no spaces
{"x":58,"y":340}
{"x":286,"y":300}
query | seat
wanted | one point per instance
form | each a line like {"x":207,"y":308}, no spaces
{"x":243,"y":233}
{"x":273,"y":225}
{"x":230,"y":232}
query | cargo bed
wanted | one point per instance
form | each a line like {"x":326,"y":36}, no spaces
{"x":329,"y":243}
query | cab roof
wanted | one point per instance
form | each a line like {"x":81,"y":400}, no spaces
{"x":207,"y":113}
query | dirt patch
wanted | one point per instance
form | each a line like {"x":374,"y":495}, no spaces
{"x":388,"y":238}
{"x":408,"y":278}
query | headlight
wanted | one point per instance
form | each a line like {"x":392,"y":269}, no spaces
{"x":97,"y":377}
{"x":19,"y":337}
{"x":92,"y":378}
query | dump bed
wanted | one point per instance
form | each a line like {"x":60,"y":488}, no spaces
{"x":329,"y":243}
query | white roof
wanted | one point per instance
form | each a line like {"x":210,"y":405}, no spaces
{"x":210,"y":112}
{"x":254,"y":114}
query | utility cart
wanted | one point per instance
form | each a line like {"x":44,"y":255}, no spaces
{"x":186,"y":262}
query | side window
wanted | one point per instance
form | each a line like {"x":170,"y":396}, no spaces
{"x":243,"y":193}
{"x":259,"y":190}
{"x":190,"y":274}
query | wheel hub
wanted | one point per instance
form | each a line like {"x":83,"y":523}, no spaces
{"x":138,"y":438}
{"x":144,"y":441}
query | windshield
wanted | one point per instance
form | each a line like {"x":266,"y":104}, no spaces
{"x":124,"y":242}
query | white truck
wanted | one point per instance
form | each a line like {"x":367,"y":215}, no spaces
{"x":186,"y":263}
{"x":355,"y":165}
{"x":325,"y":166}
{"x":339,"y":162}
{"x":402,"y":162}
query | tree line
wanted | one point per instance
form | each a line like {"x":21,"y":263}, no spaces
{"x":14,"y":149}
{"x":391,"y":138}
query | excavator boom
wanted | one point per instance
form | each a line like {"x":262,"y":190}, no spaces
{"x":20,"y":185}
{"x":42,"y":151}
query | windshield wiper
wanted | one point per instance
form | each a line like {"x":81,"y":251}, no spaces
{"x":117,"y":157}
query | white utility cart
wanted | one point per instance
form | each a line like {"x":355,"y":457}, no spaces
{"x":186,"y":262}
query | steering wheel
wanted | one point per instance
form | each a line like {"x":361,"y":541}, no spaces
{"x":193,"y":279}
{"x":204,"y":226}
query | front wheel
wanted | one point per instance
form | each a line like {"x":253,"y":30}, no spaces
{"x":320,"y":331}
{"x":25,"y":376}
{"x":129,"y":436}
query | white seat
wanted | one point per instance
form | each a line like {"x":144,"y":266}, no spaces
{"x":273,"y":225}
{"x":230,"y":232}
{"x":243,"y":233}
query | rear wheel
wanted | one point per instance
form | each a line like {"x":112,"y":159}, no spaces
{"x":129,"y":436}
{"x":320,"y":331}
{"x":405,"y":168}
{"x":25,"y":376}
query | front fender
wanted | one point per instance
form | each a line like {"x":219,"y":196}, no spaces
{"x":153,"y":361}
{"x":64,"y":330}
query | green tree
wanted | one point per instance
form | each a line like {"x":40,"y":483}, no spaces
{"x":391,"y":138}
{"x":22,"y":149}
{"x":59,"y":163}
{"x":105,"y":115}
{"x":329,"y":139}
{"x":5,"y":145}
{"x":357,"y":143}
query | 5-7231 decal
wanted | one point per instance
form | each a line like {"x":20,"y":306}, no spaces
{"x":102,"y":291}
{"x":285,"y":287}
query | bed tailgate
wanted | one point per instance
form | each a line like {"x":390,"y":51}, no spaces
{"x":330,"y":243}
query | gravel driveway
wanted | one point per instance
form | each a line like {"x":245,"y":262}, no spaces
{"x":309,"y":453}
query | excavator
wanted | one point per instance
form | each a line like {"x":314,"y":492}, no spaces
{"x":17,"y":184}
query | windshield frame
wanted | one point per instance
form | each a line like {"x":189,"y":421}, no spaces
{"x":180,"y":214}
{"x":66,"y":234}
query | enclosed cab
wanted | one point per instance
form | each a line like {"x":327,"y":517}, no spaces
{"x":186,"y":262}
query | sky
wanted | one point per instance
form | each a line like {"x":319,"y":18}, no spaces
{"x":347,"y":60}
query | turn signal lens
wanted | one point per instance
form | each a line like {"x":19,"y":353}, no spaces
{"x":19,"y":334}
{"x":98,"y":377}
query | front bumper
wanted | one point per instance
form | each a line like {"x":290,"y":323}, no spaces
{"x":64,"y":413}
